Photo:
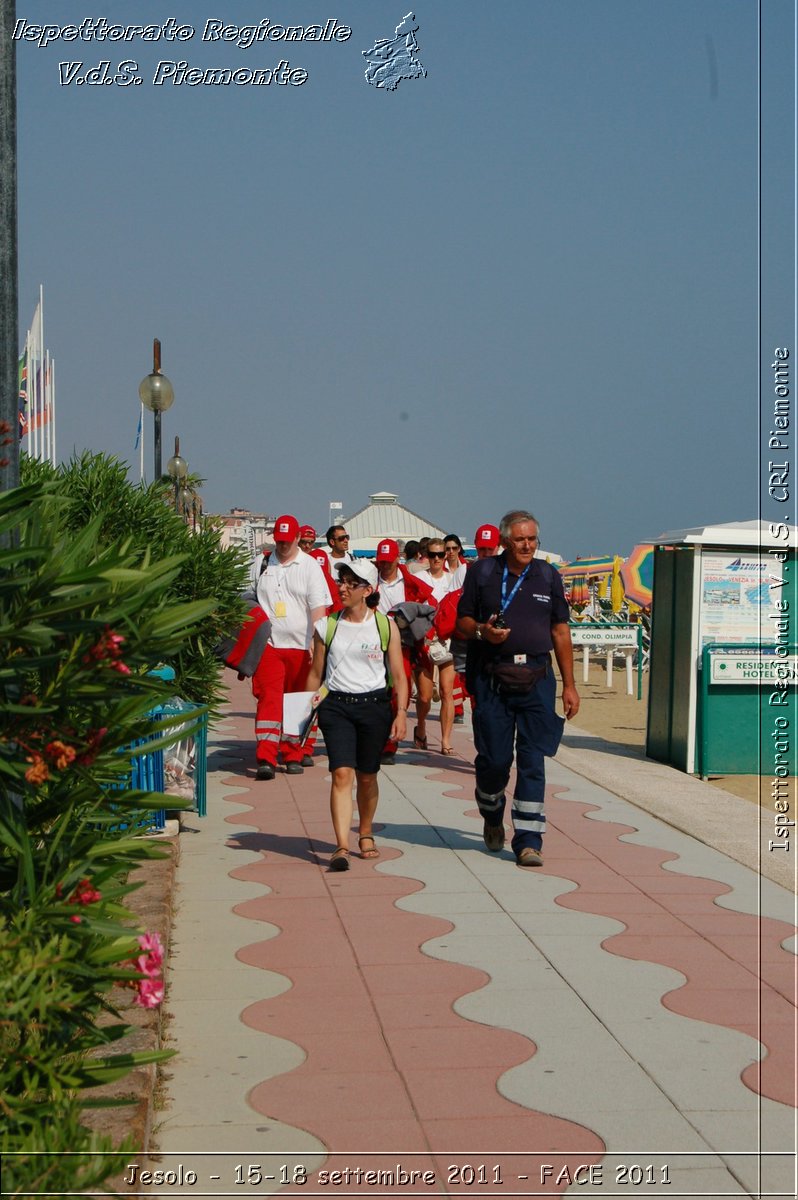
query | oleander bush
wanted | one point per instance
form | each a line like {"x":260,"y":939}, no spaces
{"x":83,"y":619}
{"x":98,"y":494}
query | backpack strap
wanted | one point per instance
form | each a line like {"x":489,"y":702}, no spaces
{"x":384,"y":627}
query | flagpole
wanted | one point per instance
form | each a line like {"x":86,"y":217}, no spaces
{"x":47,"y":413}
{"x":52,"y":410}
{"x":141,"y":445}
{"x":42,"y":377}
{"x":33,"y":445}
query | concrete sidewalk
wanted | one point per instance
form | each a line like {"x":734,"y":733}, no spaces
{"x":618,"y":1021}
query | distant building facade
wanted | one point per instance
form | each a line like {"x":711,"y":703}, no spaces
{"x":245,"y":529}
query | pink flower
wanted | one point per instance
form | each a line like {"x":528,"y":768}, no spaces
{"x":149,"y":993}
{"x":149,"y":964}
{"x":151,"y":943}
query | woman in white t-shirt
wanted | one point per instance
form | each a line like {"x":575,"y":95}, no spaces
{"x":355,"y":715}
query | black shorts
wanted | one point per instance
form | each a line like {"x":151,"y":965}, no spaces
{"x":355,"y":731}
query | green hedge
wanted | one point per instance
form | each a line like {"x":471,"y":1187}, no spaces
{"x":84,"y":616}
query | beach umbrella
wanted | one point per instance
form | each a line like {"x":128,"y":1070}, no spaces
{"x":637,"y":574}
{"x":616,"y":585}
{"x":589,"y":568}
{"x":579,"y":592}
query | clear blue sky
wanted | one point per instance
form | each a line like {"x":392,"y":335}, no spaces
{"x":529,"y":279}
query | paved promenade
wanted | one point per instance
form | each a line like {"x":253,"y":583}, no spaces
{"x":619,"y":1022}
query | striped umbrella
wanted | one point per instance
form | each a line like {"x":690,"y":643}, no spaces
{"x":579,"y":592}
{"x":590,"y":568}
{"x":637,"y":574}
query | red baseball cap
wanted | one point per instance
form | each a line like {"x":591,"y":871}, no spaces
{"x":387,"y":551}
{"x":307,"y":531}
{"x":486,"y":535}
{"x":286,"y":529}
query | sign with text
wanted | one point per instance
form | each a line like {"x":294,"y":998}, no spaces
{"x":750,"y":666}
{"x":611,"y":636}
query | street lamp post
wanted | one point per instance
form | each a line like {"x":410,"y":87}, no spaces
{"x":177,"y":469}
{"x":9,"y":379}
{"x":157,"y":394}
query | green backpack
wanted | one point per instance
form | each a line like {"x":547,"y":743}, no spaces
{"x":384,"y":628}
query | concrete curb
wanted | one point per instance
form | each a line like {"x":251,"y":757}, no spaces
{"x":152,"y":905}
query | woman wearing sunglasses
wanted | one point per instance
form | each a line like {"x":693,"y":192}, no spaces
{"x":440,"y":580}
{"x":355,"y":716}
{"x":456,"y":564}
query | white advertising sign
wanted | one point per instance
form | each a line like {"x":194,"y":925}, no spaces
{"x":600,"y":635}
{"x":738,"y":590}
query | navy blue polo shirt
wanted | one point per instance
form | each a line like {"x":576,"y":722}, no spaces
{"x":538,"y":604}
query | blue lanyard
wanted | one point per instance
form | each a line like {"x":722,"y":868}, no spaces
{"x":507,"y":601}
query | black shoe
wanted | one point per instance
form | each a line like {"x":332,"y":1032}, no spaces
{"x":459,"y":719}
{"x":387,"y":760}
{"x":294,"y":768}
{"x":493,"y":836}
{"x":264,"y":771}
{"x":308,"y":760}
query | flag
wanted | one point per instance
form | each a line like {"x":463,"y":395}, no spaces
{"x":34,"y":345}
{"x":138,"y":432}
{"x":42,"y":391}
{"x":23,"y":394}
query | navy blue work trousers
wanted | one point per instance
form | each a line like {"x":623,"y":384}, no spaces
{"x":525,"y":726}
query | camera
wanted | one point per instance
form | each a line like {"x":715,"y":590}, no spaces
{"x":499,"y":621}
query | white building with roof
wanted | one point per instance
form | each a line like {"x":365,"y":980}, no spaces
{"x":385,"y":517}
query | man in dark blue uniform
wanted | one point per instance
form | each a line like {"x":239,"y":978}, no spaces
{"x":514,"y":613}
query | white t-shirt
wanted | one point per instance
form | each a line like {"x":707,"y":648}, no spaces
{"x":288,"y":593}
{"x":355,"y":661}
{"x":440,"y":586}
{"x":391,"y":594}
{"x":347,"y":557}
{"x":457,"y":576}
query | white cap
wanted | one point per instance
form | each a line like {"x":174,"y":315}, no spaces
{"x":363,"y":568}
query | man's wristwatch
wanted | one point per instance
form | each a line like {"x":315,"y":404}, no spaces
{"x":478,"y":633}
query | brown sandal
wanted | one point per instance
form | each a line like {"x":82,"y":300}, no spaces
{"x":448,"y":750}
{"x":340,"y":859}
{"x":373,"y":852}
{"x":420,"y":743}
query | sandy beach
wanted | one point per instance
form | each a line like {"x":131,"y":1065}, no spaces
{"x":610,"y":714}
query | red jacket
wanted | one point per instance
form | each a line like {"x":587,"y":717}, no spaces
{"x":446,"y":615}
{"x":416,"y":590}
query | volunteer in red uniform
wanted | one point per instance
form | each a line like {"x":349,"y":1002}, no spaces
{"x":398,"y":585}
{"x":307,"y":538}
{"x":441,"y":582}
{"x":293,"y":591}
{"x":324,"y":562}
{"x":486,"y":540}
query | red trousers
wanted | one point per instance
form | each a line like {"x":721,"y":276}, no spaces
{"x":391,"y":747}
{"x":279,"y":671}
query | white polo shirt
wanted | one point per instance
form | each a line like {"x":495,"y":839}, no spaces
{"x":391,"y":594}
{"x":288,"y":593}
